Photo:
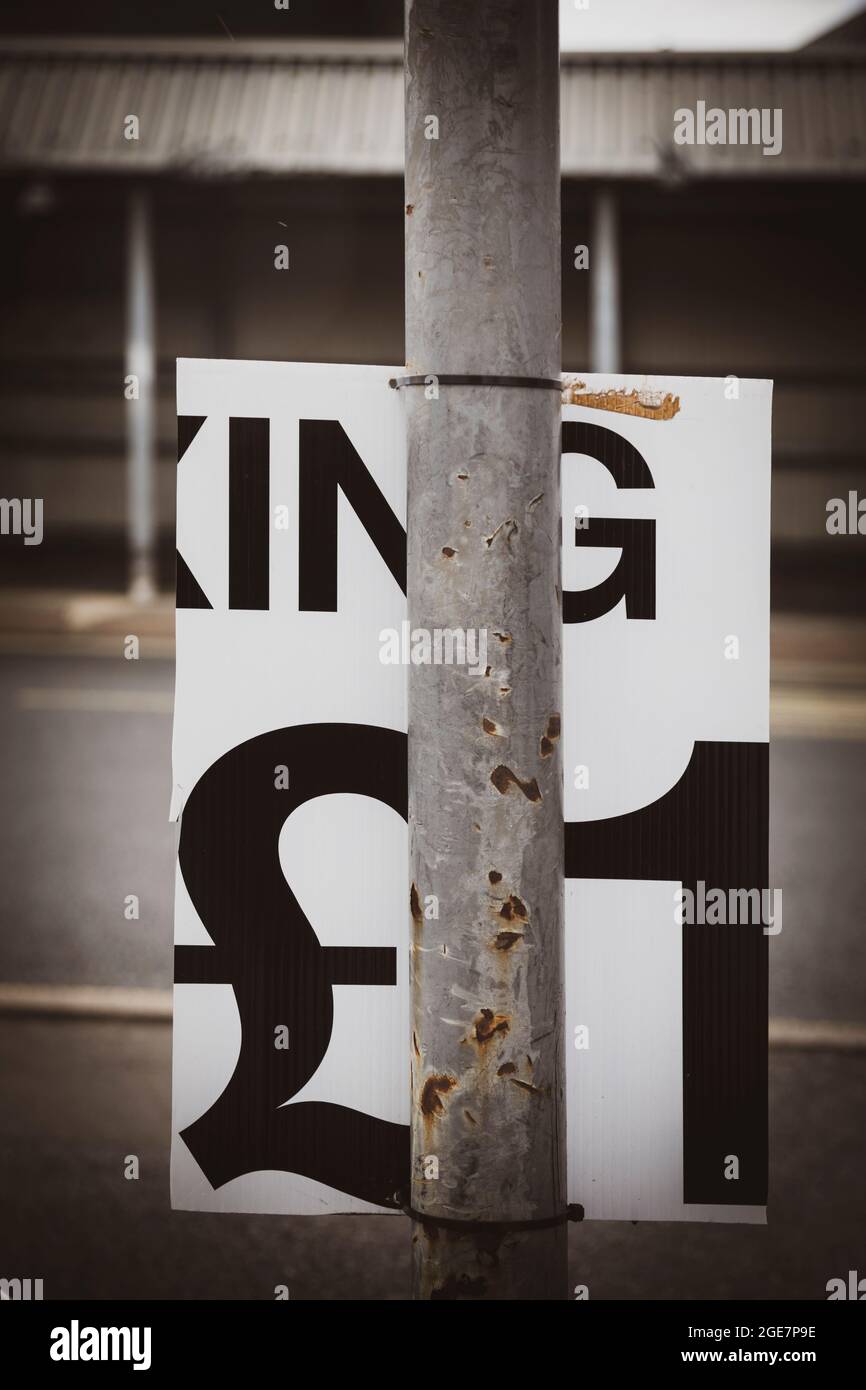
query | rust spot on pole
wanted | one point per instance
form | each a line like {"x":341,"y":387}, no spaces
{"x":502,"y":778}
{"x":491,"y":727}
{"x":550,"y":735}
{"x":495,"y":876}
{"x":415,"y":1046}
{"x":507,"y":1069}
{"x":506,"y":939}
{"x":488,"y":1024}
{"x":435,"y":1087}
{"x":470,"y":1117}
{"x":513,"y":907}
{"x":415,"y":905}
{"x":448,"y":551}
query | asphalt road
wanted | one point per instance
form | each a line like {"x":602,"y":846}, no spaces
{"x":76,"y":1098}
{"x":86,"y":756}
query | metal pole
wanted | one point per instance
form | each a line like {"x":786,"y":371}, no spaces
{"x":140,"y":395}
{"x":485,"y":800}
{"x":604,"y":284}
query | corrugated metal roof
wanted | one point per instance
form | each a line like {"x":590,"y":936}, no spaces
{"x":217,"y":111}
{"x":237,"y":108}
{"x":618,"y":116}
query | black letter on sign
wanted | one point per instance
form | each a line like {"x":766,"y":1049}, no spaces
{"x":269,"y":953}
{"x":188,"y":591}
{"x":634,"y":577}
{"x":249,"y":520}
{"x":328,"y":461}
{"x":710,"y":827}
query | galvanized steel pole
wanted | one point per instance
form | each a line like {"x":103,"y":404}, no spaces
{"x":485,"y":799}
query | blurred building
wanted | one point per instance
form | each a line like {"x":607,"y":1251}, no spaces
{"x":126,"y":244}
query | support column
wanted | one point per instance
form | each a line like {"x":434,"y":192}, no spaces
{"x":604,"y":284}
{"x":140,"y":398}
{"x":485,"y":780}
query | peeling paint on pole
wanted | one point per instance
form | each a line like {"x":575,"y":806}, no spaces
{"x":483,"y":297}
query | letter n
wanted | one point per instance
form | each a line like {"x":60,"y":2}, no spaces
{"x":328,"y":462}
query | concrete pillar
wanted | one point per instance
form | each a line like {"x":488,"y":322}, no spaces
{"x":604,"y":284}
{"x":140,"y":398}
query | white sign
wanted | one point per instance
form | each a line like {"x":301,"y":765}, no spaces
{"x":292,"y":936}
{"x":665,"y":746}
{"x":291,"y":1007}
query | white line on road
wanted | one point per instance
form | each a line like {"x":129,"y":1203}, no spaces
{"x":155,"y":1005}
{"x":105,"y":701}
{"x":66,"y":644}
{"x":817,"y":1034}
{"x":817,"y":713}
{"x":86,"y":1001}
{"x":805,"y":713}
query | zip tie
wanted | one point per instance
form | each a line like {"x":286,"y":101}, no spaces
{"x":536,"y":383}
{"x":573,"y":1212}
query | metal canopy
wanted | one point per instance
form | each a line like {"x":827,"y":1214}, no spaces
{"x":218,"y":109}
